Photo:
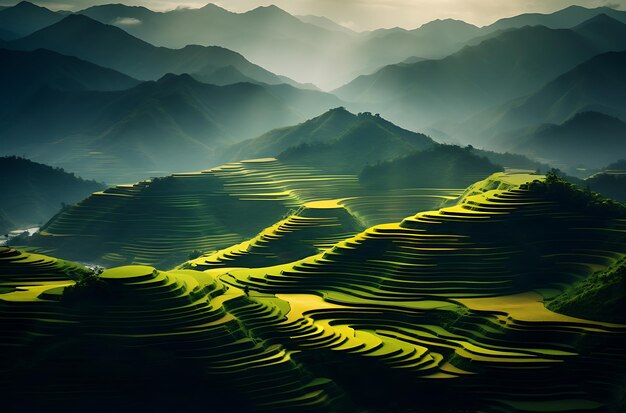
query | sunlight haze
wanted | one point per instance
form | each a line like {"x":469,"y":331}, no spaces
{"x":372,"y":14}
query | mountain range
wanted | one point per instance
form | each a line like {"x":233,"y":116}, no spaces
{"x":108,"y":46}
{"x":493,"y":72}
{"x":595,"y":85}
{"x":125,"y":135}
{"x":296,"y":46}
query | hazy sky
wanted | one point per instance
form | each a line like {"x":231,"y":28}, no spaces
{"x":369,"y":14}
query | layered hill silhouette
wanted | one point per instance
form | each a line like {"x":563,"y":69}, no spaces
{"x":25,"y":18}
{"x":33,"y":193}
{"x":300,"y":54}
{"x":336,"y":140}
{"x":595,"y":85}
{"x":266,"y":35}
{"x":495,"y":71}
{"x":442,"y":166}
{"x":173,"y":124}
{"x":109,"y":46}
{"x":562,"y":19}
{"x":569,"y":143}
{"x":22,"y":76}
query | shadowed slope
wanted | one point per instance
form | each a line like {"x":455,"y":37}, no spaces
{"x":162,"y":221}
{"x":162,"y":339}
{"x":313,"y":228}
{"x":33,"y":193}
{"x":462,"y":251}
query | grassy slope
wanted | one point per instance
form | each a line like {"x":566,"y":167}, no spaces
{"x":602,"y":296}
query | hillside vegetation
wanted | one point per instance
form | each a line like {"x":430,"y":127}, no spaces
{"x":33,"y":193}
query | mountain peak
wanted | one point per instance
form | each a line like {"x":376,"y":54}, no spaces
{"x":600,"y":19}
{"x":25,"y":5}
{"x":271,"y":10}
{"x":590,"y":116}
{"x":177,"y":81}
{"x":213,"y":7}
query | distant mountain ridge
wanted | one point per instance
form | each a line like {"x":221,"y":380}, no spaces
{"x":22,"y":76}
{"x":336,"y":140}
{"x":109,"y":46}
{"x":33,"y":193}
{"x":25,"y":18}
{"x":495,"y":71}
{"x":589,"y":138}
{"x":172,"y":124}
{"x":292,"y":45}
{"x":595,"y":85}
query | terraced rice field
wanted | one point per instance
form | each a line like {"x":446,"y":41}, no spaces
{"x":140,"y":315}
{"x":445,"y":295}
{"x":315,"y":227}
{"x":20,"y":269}
{"x":160,"y":222}
{"x":441,"y":312}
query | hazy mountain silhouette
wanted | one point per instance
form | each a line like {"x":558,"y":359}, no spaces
{"x":337,"y":140}
{"x":33,"y":193}
{"x":109,"y":46}
{"x":268,"y":35}
{"x":368,"y":139}
{"x":443,"y":166}
{"x":562,"y":19}
{"x":611,"y":181}
{"x":25,"y":18}
{"x":496,"y":70}
{"x":589,"y":138}
{"x":319,"y":129}
{"x":605,"y":32}
{"x":6,"y":35}
{"x":325,"y":23}
{"x":21,"y":75}
{"x":306,"y":48}
{"x":173,"y":124}
{"x":597,"y":85}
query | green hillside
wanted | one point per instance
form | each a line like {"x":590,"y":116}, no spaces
{"x":607,"y":287}
{"x":19,"y":269}
{"x":336,"y":141}
{"x":405,"y":265}
{"x":33,"y":193}
{"x":611,"y":181}
{"x":149,"y":330}
{"x":443,"y":166}
{"x":447,"y":304}
{"x":155,"y":128}
{"x":313,"y":228}
{"x":162,"y":221}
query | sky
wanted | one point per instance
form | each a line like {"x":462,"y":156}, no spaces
{"x":370,"y":14}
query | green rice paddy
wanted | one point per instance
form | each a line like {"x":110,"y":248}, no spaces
{"x":319,"y":310}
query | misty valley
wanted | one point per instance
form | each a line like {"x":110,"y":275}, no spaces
{"x":264,"y":211}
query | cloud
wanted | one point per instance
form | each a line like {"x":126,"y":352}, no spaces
{"x":126,"y":21}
